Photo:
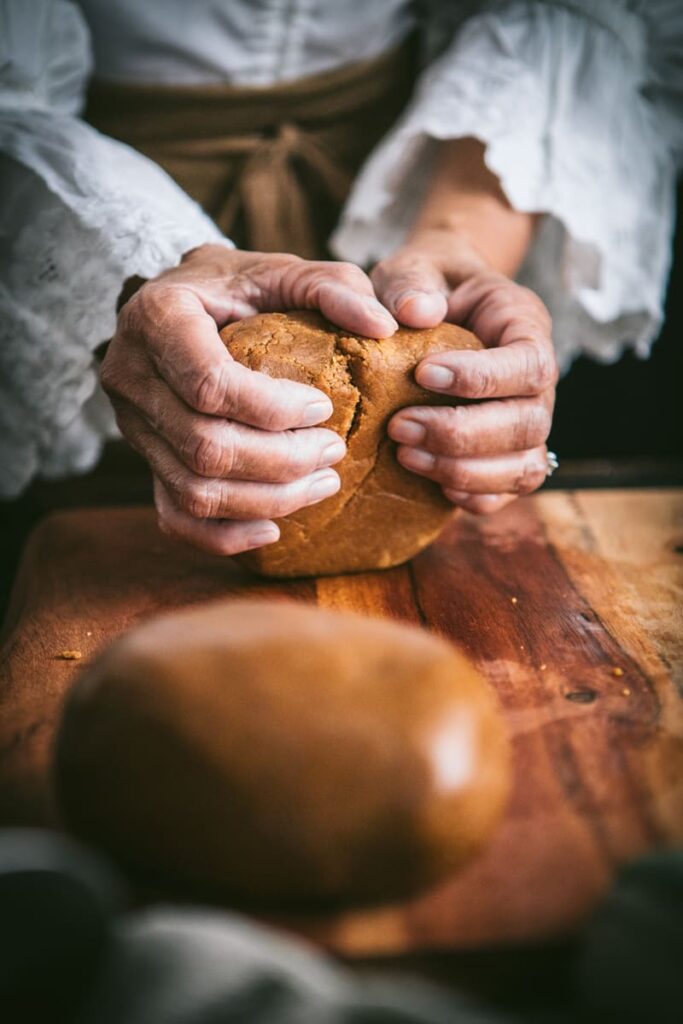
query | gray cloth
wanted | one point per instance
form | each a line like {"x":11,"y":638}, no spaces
{"x":70,"y":953}
{"x":186,"y":967}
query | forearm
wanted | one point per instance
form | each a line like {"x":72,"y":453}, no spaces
{"x":465,"y":205}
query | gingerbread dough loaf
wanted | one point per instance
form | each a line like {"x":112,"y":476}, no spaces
{"x":272,"y":754}
{"x":383,"y":514}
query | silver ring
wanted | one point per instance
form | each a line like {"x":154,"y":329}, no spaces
{"x":552,"y":462}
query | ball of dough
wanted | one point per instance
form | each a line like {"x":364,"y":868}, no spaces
{"x":383,"y":514}
{"x":272,"y":754}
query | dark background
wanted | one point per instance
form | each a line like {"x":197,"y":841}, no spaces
{"x":627,"y":414}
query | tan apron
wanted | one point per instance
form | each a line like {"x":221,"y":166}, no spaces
{"x":271,"y":166}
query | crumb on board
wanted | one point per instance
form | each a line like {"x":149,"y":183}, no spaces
{"x":618,"y":672}
{"x":626,"y":692}
{"x":69,"y":655}
{"x":543,"y":667}
{"x":89,"y":633}
{"x":513,"y":600}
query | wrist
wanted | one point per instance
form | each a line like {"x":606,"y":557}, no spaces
{"x":465,"y":201}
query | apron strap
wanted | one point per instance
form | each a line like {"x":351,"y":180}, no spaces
{"x":271,"y":166}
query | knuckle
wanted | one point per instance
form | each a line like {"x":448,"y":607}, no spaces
{"x":157,"y":411}
{"x":130,"y":317}
{"x":478,"y":382}
{"x":208,"y":456}
{"x":107,"y":377}
{"x":125,"y":425}
{"x":454,"y":423}
{"x":540,"y":369}
{"x":275,"y":413}
{"x":508,"y":309}
{"x":528,"y":296}
{"x":386,"y":273}
{"x":457,"y":476}
{"x":111,"y":377}
{"x":542,"y":422}
{"x":150,"y":306}
{"x":282,"y":266}
{"x":211,"y":390}
{"x":404,"y":286}
{"x":156,"y":302}
{"x":280,"y":502}
{"x":199,"y":499}
{"x":525,"y":298}
{"x":531,"y":428}
{"x":381,"y":268}
{"x":299,"y":458}
{"x":531,"y":477}
{"x":349,"y":272}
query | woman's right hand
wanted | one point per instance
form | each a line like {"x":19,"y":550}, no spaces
{"x":230,"y":449}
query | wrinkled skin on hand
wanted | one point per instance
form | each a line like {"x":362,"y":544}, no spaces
{"x":230,"y":449}
{"x":485,"y":454}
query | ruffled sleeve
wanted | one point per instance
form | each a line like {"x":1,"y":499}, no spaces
{"x":79,"y":214}
{"x":578,"y":105}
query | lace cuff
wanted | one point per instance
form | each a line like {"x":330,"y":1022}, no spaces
{"x":559,"y":99}
{"x":99,"y":214}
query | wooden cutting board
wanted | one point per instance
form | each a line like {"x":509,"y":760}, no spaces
{"x":569,"y":602}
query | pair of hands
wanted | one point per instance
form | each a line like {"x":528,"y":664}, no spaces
{"x":231,"y":449}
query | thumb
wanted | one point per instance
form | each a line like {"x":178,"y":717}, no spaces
{"x":412,"y":289}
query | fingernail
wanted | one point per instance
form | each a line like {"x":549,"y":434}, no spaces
{"x":417,"y":458}
{"x":437,"y":377}
{"x":264,"y":535}
{"x":316,"y":412}
{"x":421,"y":305}
{"x":332,"y":453}
{"x":457,"y":496}
{"x":407,"y":432}
{"x":323,"y":486}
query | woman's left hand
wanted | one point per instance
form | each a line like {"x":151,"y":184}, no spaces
{"x":486,"y":454}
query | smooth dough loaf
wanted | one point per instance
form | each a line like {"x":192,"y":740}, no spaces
{"x":269,"y":753}
{"x":382,"y":515}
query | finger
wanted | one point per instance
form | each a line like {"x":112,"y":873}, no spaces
{"x":204,"y":498}
{"x":499,"y":310}
{"x":185,"y":348}
{"x":523,"y":369}
{"x":217,"y":536}
{"x":490,"y":428}
{"x":514,"y":473}
{"x":341,"y":291}
{"x":215,"y":447}
{"x":413,"y":289}
{"x":480,"y":504}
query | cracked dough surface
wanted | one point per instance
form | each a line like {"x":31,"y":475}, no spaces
{"x":382,"y":515}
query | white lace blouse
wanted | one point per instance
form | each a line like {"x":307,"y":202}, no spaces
{"x":575,"y":101}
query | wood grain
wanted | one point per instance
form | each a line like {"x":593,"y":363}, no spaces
{"x":569,"y":602}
